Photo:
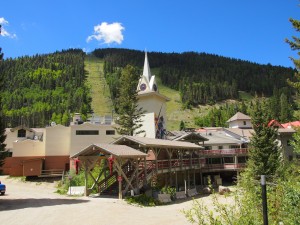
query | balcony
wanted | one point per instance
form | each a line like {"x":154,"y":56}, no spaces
{"x":235,"y":151}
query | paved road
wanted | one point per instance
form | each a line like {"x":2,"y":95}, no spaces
{"x":36,"y":203}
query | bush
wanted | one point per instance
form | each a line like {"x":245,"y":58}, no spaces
{"x":142,"y":200}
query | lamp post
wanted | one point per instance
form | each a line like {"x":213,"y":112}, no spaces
{"x":264,"y":199}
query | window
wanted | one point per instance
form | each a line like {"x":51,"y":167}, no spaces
{"x":110,"y":132}
{"x":21,"y":133}
{"x":220,"y":147}
{"x":228,"y":160}
{"x":242,"y":159}
{"x":87,"y":132}
{"x":216,"y":161}
{"x":213,"y":161}
{"x":244,"y":122}
{"x":234,"y":146}
{"x":207,"y":147}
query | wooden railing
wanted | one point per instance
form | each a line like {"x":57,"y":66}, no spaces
{"x":52,"y":173}
{"x":226,"y":166}
{"x":221,"y":152}
{"x":192,"y":163}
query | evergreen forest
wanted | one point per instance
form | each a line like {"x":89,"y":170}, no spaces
{"x":201,"y":78}
{"x":43,"y":88}
{"x":50,"y":87}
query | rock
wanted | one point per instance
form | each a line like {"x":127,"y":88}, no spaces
{"x":206,"y":190}
{"x":223,"y":190}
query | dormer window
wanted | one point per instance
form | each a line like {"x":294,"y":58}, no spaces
{"x":21,"y":133}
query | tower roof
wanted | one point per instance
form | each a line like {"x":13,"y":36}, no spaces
{"x":239,"y":116}
{"x":146,"y":71}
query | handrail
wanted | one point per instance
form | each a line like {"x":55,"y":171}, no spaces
{"x":224,"y":151}
{"x":224,"y":166}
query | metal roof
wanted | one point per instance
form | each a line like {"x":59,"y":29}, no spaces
{"x":153,"y":142}
{"x":219,"y":137}
{"x":122,"y":151}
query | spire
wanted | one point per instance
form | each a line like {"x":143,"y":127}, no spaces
{"x":146,"y":71}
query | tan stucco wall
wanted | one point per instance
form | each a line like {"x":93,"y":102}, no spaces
{"x":57,"y":139}
{"x":28,"y":148}
{"x":79,"y":142}
{"x":11,"y":137}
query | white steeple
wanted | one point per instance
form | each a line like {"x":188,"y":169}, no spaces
{"x":146,"y":71}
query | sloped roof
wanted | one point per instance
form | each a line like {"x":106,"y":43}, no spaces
{"x":153,"y":142}
{"x":20,"y":128}
{"x":274,"y":123}
{"x":122,"y":151}
{"x":192,"y":134}
{"x":291,"y":124}
{"x":239,"y":116}
{"x":219,"y":137}
{"x":240,"y":132}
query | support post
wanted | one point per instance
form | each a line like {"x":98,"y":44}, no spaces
{"x":201,"y":178}
{"x":176,"y":184}
{"x":145,"y":171}
{"x":264,"y":199}
{"x":194,"y":178}
{"x":85,"y":180}
{"x":188,"y":178}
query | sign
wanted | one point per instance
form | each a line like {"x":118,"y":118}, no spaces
{"x":120,"y":178}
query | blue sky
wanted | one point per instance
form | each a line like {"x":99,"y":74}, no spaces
{"x":252,"y":30}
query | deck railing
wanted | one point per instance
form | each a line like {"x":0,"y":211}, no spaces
{"x":235,"y":151}
{"x":192,"y":163}
{"x":225,"y":166}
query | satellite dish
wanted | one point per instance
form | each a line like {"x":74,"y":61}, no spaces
{"x":53,"y":124}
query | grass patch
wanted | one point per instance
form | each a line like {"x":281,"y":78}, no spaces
{"x":100,"y":93}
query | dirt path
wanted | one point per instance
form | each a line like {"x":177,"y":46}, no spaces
{"x":36,"y":203}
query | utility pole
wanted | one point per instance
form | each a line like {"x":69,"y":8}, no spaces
{"x":264,"y":198}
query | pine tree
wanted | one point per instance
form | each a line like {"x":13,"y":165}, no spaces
{"x":264,"y":152}
{"x":295,"y":45}
{"x":182,"y":125}
{"x":130,"y":115}
{"x":3,"y":151}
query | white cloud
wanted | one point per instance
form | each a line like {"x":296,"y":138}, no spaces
{"x":4,"y":32}
{"x":107,"y":33}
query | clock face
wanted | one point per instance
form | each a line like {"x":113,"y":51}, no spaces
{"x":154,"y":87}
{"x":143,"y":87}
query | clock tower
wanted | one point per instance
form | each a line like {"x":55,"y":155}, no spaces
{"x":153,"y":103}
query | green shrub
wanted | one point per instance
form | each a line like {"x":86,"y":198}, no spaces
{"x":142,"y":200}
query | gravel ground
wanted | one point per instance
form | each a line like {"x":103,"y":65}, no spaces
{"x":36,"y":203}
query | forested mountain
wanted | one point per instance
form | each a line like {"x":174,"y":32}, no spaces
{"x":44,"y":88}
{"x":201,"y":78}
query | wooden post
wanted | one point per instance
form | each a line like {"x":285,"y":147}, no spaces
{"x":145,"y":171}
{"x":120,"y":185}
{"x":137,"y":175}
{"x":85,"y":179}
{"x":188,"y":179}
{"x":201,"y":178}
{"x":176,"y":184}
{"x":194,"y":179}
